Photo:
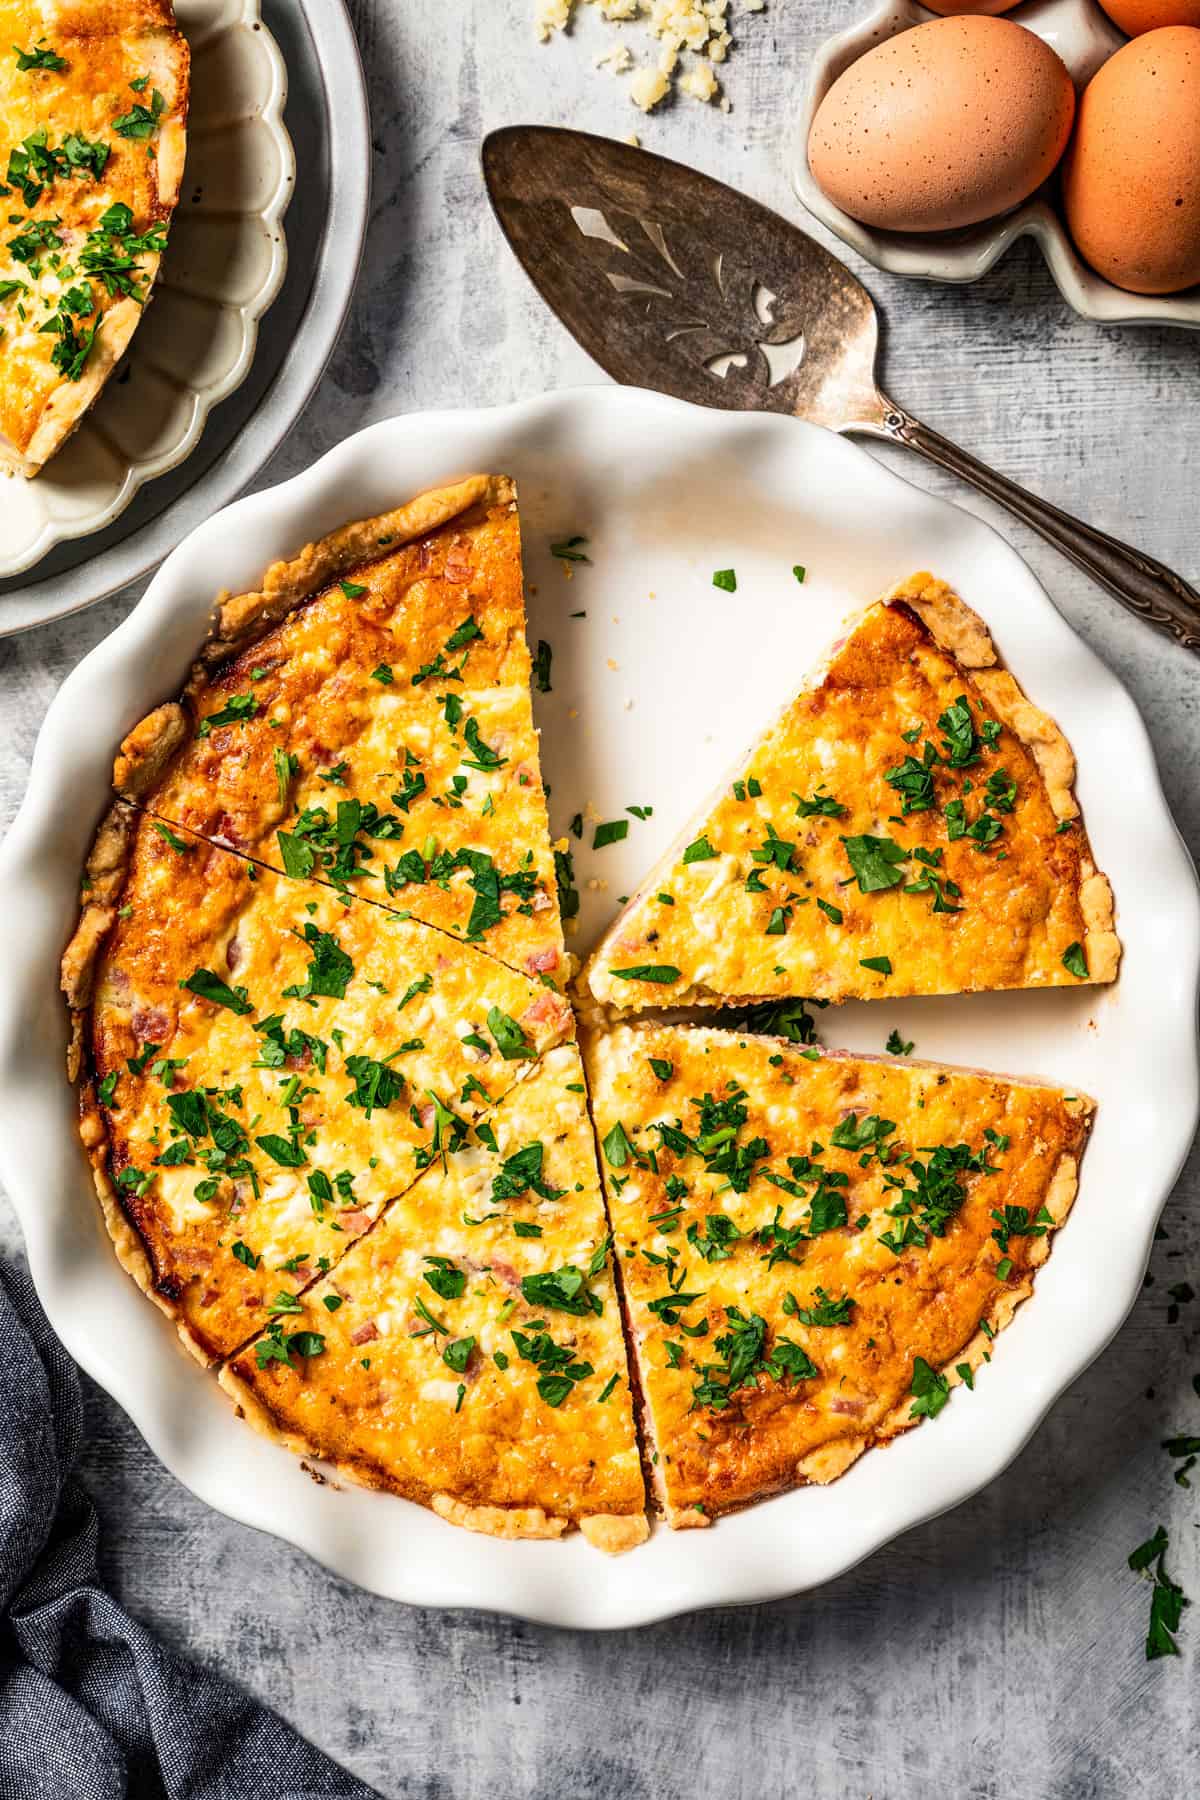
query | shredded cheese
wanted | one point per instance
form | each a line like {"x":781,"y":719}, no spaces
{"x":697,"y":30}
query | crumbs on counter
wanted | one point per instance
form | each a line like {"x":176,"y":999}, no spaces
{"x":688,"y":37}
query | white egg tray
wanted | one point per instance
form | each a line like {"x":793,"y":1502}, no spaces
{"x":1085,"y":38}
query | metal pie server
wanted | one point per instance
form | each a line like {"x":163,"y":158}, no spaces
{"x":673,"y":281}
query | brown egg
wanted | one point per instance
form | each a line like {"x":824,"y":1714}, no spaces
{"x":1136,"y":16}
{"x":953,"y":8}
{"x":943,"y":125}
{"x":1131,"y":181}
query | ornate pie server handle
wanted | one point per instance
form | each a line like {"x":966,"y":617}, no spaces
{"x":1142,"y":584}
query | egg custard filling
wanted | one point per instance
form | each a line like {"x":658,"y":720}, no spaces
{"x":814,"y":1248}
{"x":94,"y":101}
{"x":907,"y":826}
{"x":330,"y":1094}
{"x":269,"y":1063}
{"x":364,"y":718}
{"x":471,"y":1354}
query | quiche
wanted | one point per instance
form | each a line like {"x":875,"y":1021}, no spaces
{"x":363,"y":718}
{"x":93,"y":107}
{"x":907,"y":826}
{"x":814,"y":1248}
{"x":266,"y":1063}
{"x":467,"y":1351}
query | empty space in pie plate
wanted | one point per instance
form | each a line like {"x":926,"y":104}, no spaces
{"x":224,"y":264}
{"x":654,"y":692}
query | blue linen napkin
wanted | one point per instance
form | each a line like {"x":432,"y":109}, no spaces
{"x":91,"y":1706}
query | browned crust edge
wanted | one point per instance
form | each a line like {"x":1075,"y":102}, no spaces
{"x":826,"y":1464}
{"x":611,"y":1532}
{"x":241,"y":619}
{"x":70,"y":402}
{"x":961,"y":632}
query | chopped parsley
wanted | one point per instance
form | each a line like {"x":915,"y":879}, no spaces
{"x":376,"y":1084}
{"x":663,"y":974}
{"x":238,"y":709}
{"x":725,"y":579}
{"x":560,"y":1369}
{"x":141,"y":122}
{"x":913,"y":781}
{"x":541,"y":667}
{"x":329,"y":970}
{"x":876,"y":862}
{"x":42,"y":57}
{"x":457,"y":1355}
{"x":898,"y":1046}
{"x":699,"y":850}
{"x":1167,"y":1600}
{"x":275,"y":1347}
{"x":821,"y":1310}
{"x":566,"y":1289}
{"x":611,"y":832}
{"x":818,"y":805}
{"x":210,"y":987}
{"x":511,"y":1041}
{"x":930,"y":1391}
{"x":743,"y":1353}
{"x":1075,"y":961}
{"x":445,"y":1278}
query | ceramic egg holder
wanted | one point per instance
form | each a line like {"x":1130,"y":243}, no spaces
{"x":1084,"y":38}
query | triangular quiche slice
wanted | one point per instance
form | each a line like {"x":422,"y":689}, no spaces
{"x":364,"y":718}
{"x":467,"y":1353}
{"x":814,"y":1248}
{"x":907,"y":826}
{"x":94,"y":103}
{"x":264,"y":1063}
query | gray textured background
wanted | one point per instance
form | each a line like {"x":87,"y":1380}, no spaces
{"x":998,"y":1651}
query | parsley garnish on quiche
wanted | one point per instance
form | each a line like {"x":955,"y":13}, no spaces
{"x":364,"y":719}
{"x":472,"y":1356}
{"x":94,"y":107}
{"x":813,"y":1252}
{"x":908,"y":826}
{"x":266,"y":1064}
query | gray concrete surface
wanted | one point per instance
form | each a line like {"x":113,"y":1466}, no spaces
{"x":997,"y":1651}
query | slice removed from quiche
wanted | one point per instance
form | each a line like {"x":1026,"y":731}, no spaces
{"x":467,"y":1352}
{"x":265,"y":1063}
{"x":364,"y":718}
{"x":94,"y":102}
{"x":814,"y":1248}
{"x":907,"y":826}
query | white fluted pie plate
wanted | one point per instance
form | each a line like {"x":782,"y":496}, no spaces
{"x":224,"y":265}
{"x":654,"y":692}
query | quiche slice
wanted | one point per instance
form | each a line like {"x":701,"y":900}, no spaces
{"x":93,"y":100}
{"x":814,"y":1248}
{"x":265,"y":1063}
{"x":364,"y":719}
{"x":467,"y":1352}
{"x":907,"y":826}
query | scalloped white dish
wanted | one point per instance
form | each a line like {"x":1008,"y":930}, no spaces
{"x":1085,"y":38}
{"x":642,"y":710}
{"x":224,"y":265}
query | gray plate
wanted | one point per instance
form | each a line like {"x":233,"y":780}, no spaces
{"x":329,"y":122}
